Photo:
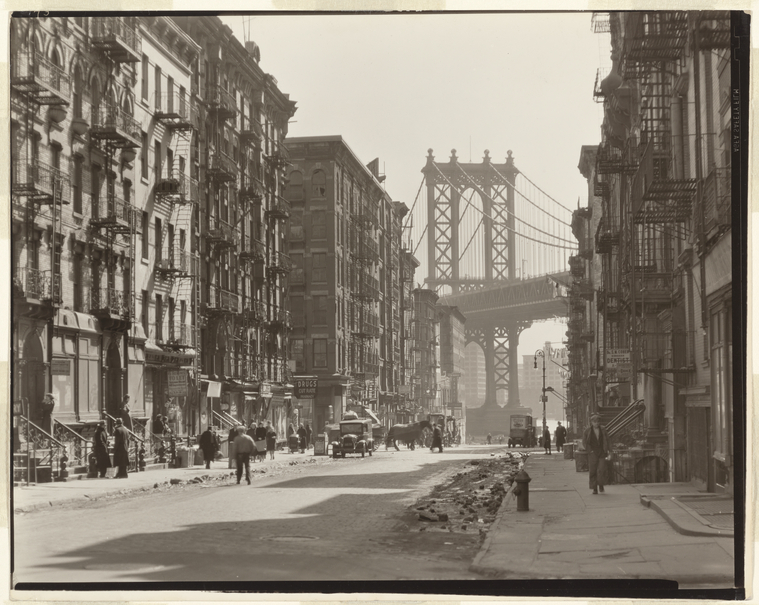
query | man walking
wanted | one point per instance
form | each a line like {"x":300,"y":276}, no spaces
{"x":561,"y":436}
{"x":209,"y":444}
{"x":121,"y":449}
{"x":547,"y":440}
{"x":244,"y":447}
{"x":596,"y":443}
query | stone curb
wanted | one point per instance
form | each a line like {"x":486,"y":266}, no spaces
{"x":507,"y":504}
{"x":683,"y":520}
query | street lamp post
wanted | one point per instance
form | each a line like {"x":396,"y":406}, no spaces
{"x":542,"y":354}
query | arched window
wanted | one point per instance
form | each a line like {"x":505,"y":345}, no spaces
{"x":95,"y":92}
{"x":319,"y":183}
{"x":295,"y":186}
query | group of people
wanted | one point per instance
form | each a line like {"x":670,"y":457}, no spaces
{"x":304,"y":436}
{"x":560,"y":435}
{"x":120,"y":449}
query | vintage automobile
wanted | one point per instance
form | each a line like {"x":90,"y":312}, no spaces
{"x":355,"y":438}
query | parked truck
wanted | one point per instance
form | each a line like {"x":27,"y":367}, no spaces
{"x":521,"y":431}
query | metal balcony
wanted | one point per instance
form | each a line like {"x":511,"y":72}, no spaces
{"x":40,"y":182}
{"x":281,"y":319}
{"x":115,"y":127}
{"x":180,"y":336}
{"x":251,"y":190}
{"x":653,"y":288}
{"x":368,"y":249}
{"x":656,"y":198}
{"x":252,"y":249}
{"x":113,"y":214}
{"x":110,"y":303}
{"x":257,"y":311}
{"x":177,"y":187}
{"x":598,"y":93}
{"x":178,"y":111}
{"x":220,"y":102}
{"x":222,"y":301}
{"x":279,"y":158}
{"x":367,"y":326}
{"x":36,"y":287}
{"x":222,"y":234}
{"x":113,"y":36}
{"x":280,"y":209}
{"x":280,"y":264}
{"x":177,"y":263}
{"x":713,"y":29}
{"x":39,"y":79}
{"x":252,"y":132}
{"x":576,"y":266}
{"x":221,"y":167}
{"x":652,"y":37}
{"x":367,"y":287}
{"x":607,"y":236}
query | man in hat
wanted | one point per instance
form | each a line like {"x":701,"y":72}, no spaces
{"x":121,"y":449}
{"x":596,"y":443}
{"x":209,"y":445}
{"x":561,"y":436}
{"x":244,"y":447}
{"x":100,"y":449}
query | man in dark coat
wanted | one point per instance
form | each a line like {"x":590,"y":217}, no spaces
{"x":561,"y":436}
{"x":437,"y":438}
{"x":260,"y":433}
{"x":121,"y":449}
{"x":271,"y":441}
{"x":158,"y":425}
{"x":596,"y":443}
{"x":209,"y":444}
{"x":308,"y":435}
{"x":125,"y":415}
{"x":547,"y":440}
{"x":302,"y":438}
{"x":100,"y":449}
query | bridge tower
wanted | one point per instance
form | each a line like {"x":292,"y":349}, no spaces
{"x":447,"y":183}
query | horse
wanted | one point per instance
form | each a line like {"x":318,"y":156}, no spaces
{"x":408,"y":434}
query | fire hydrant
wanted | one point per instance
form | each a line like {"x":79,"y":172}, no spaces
{"x":522,"y":490}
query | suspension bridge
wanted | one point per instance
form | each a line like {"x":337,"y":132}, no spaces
{"x":497,"y":247}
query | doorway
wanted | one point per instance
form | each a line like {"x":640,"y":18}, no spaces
{"x":113,"y":380}
{"x":33,"y":378}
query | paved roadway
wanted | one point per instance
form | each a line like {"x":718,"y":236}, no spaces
{"x":344,"y":520}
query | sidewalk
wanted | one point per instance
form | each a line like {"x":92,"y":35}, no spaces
{"x":44,"y":495}
{"x":569,"y":533}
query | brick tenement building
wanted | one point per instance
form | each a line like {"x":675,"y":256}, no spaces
{"x":148,"y":225}
{"x":345,"y":287}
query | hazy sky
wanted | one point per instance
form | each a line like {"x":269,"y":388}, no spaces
{"x":396,"y":85}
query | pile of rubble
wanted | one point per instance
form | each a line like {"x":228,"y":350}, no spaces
{"x":470,"y":500}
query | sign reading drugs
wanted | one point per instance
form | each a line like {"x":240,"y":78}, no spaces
{"x":178,"y":380}
{"x":305,"y":386}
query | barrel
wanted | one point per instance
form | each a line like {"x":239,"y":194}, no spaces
{"x":569,"y":449}
{"x":581,"y":461}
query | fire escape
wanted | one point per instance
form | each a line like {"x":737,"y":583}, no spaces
{"x":37,"y":82}
{"x":114,"y":220}
{"x":365,"y":288}
{"x":180,"y":193}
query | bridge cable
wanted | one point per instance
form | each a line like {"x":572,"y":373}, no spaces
{"x":482,"y":220}
{"x":420,"y":240}
{"x":544,"y":193}
{"x":474,"y":185}
{"x":505,"y":226}
{"x":411,"y":212}
{"x":522,"y":195}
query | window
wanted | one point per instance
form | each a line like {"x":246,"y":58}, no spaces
{"x":158,"y":242}
{"x":157,"y":158}
{"x":95,"y":193}
{"x":145,"y":312}
{"x":297,"y":311}
{"x":319,"y":272}
{"x":145,"y":66}
{"x":170,"y":95}
{"x":128,"y":191}
{"x":144,"y":156}
{"x":319,"y":183}
{"x":158,"y":317}
{"x":297,"y":354}
{"x":320,"y":352}
{"x":145,"y":235}
{"x":77,"y":183}
{"x":78,"y":291}
{"x":157,"y":87}
{"x":319,"y":229}
{"x":320,"y":310}
{"x":78,"y":92}
{"x":295,"y":186}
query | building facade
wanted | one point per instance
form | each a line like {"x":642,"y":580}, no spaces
{"x":146,"y":159}
{"x":345,"y":287}
{"x":657,"y":280}
{"x":452,"y":344}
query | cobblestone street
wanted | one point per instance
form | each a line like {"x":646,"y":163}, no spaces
{"x":345,"y":520}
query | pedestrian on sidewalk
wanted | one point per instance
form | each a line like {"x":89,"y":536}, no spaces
{"x":260,"y":432}
{"x":209,"y":444}
{"x":232,"y":462}
{"x":308,"y":435}
{"x":546,"y":440}
{"x":561,"y":436}
{"x":125,"y":414}
{"x":121,"y":449}
{"x":271,"y":440}
{"x":302,"y":438}
{"x":437,"y":439}
{"x":244,"y":448}
{"x":596,"y":443}
{"x":489,"y":438}
{"x":100,"y":449}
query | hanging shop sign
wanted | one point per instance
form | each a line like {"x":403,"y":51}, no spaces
{"x":214,"y":389}
{"x":266,"y":390}
{"x":305,"y":386}
{"x":177,"y":380}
